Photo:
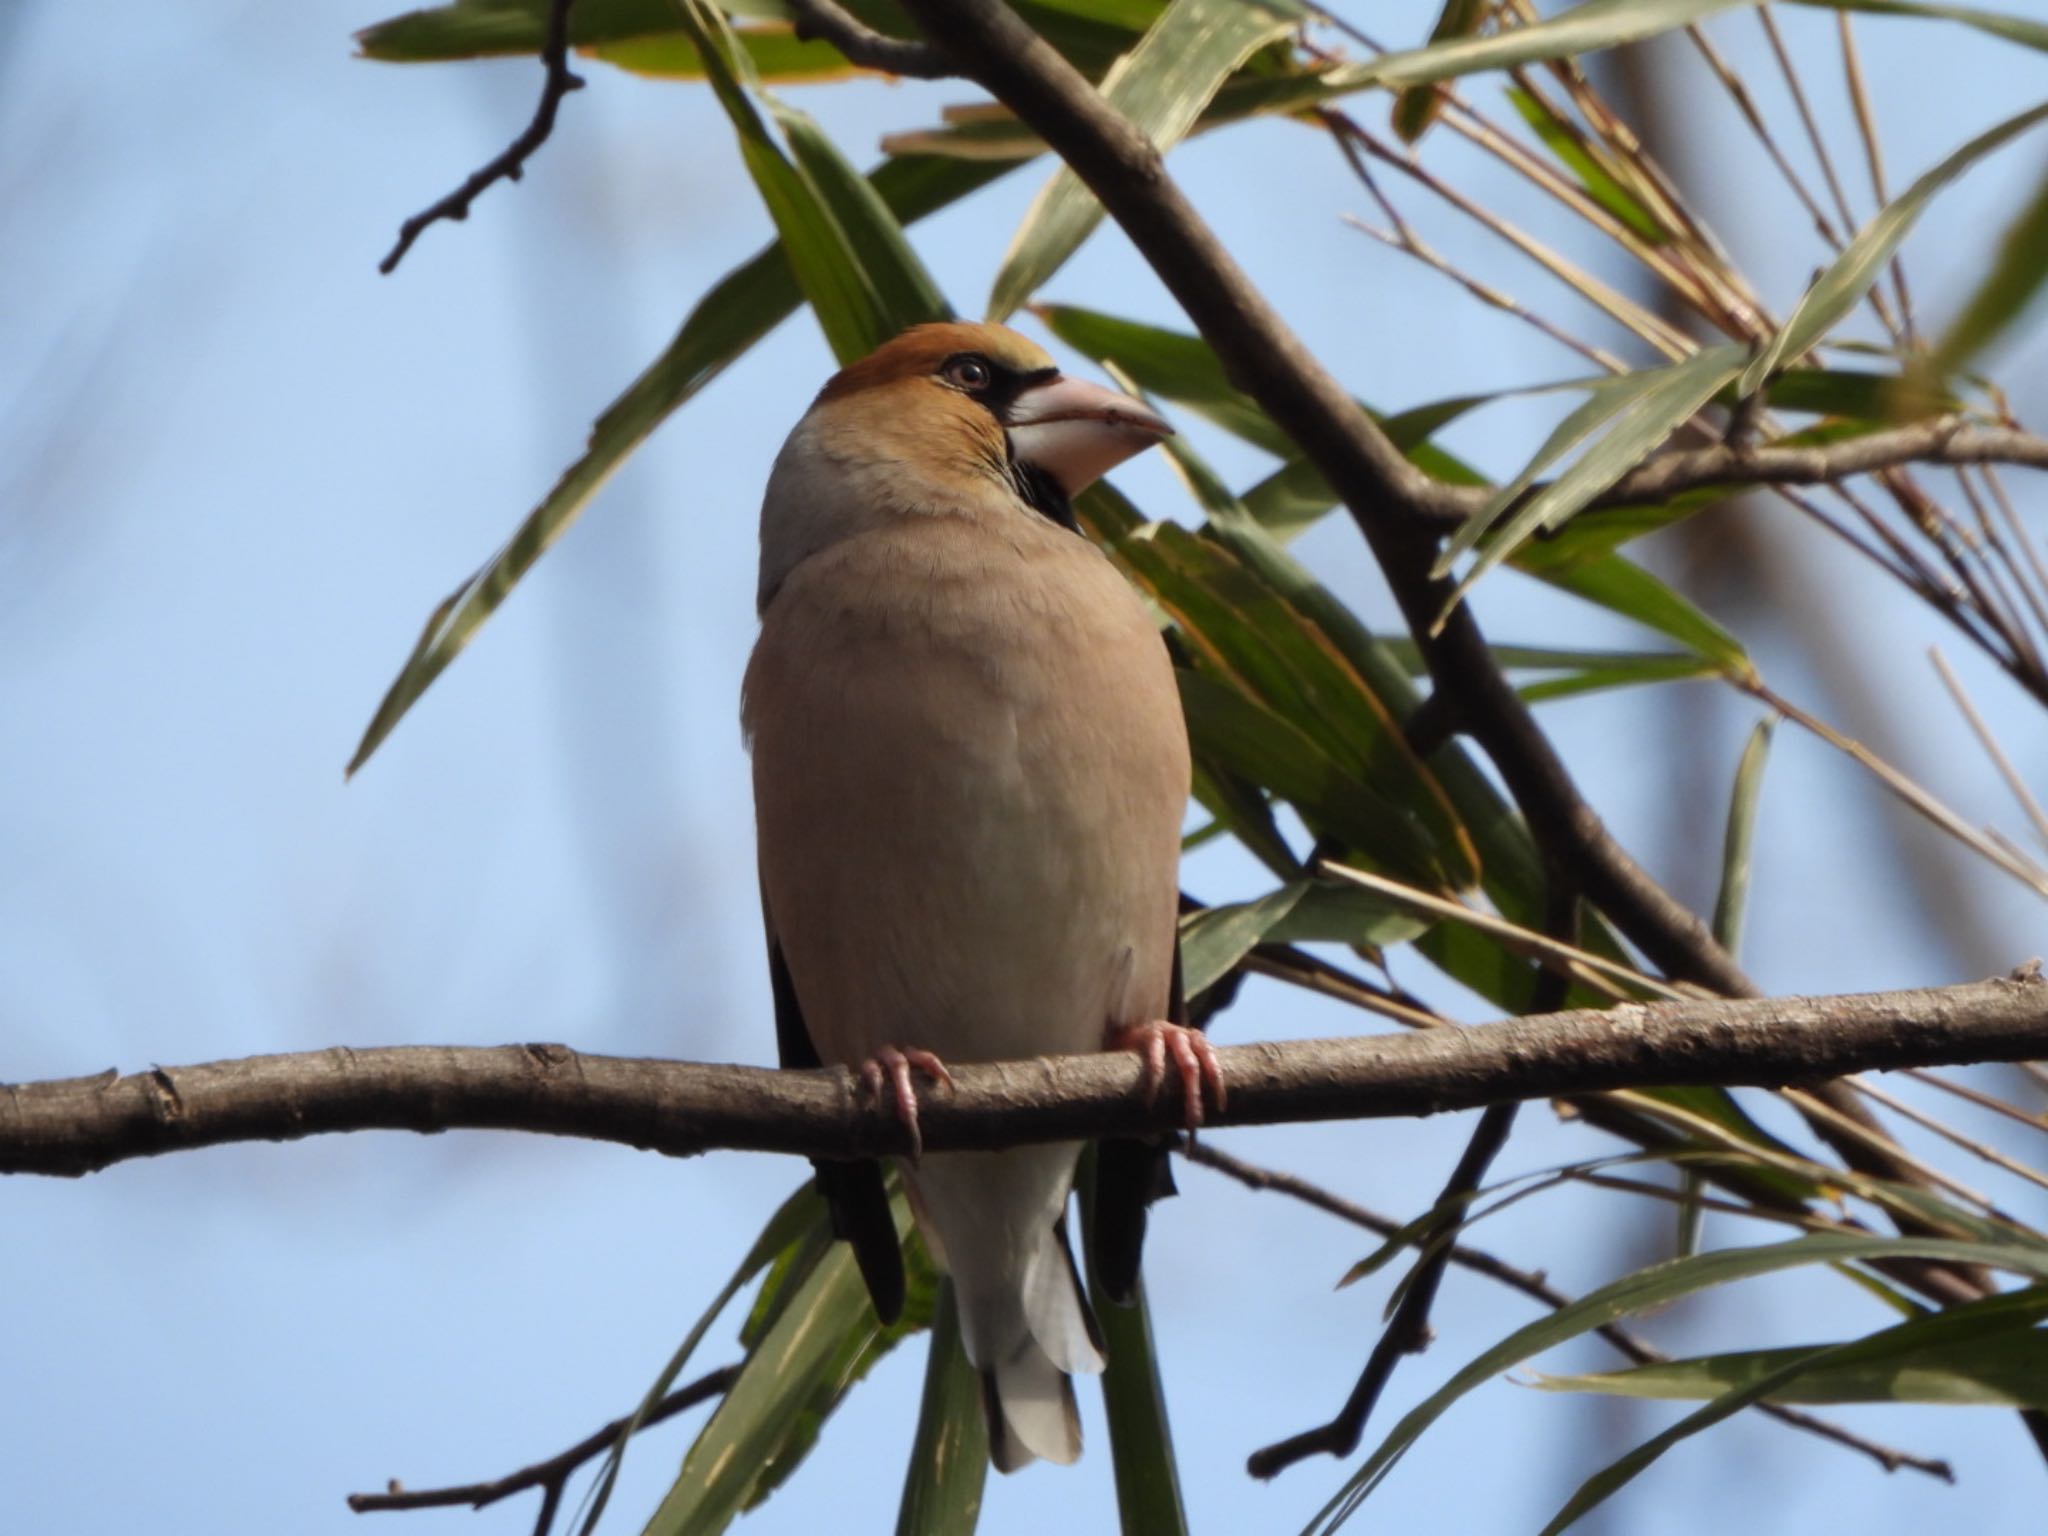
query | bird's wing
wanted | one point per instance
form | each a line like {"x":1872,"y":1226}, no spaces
{"x":853,"y":1191}
{"x":1130,"y":1173}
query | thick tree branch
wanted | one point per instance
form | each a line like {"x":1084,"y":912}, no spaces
{"x":509,"y":164}
{"x":863,"y":45}
{"x":80,"y":1125}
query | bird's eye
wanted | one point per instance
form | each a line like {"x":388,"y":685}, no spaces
{"x":970,"y":373}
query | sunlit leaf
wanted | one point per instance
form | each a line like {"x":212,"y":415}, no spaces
{"x":949,"y":1454}
{"x":1842,"y":286}
{"x":1416,"y":109}
{"x":1161,"y":86}
{"x":796,"y":1224}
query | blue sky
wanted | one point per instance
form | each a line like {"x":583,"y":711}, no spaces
{"x":238,"y":469}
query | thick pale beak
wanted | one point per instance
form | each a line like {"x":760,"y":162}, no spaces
{"x":1076,"y":431}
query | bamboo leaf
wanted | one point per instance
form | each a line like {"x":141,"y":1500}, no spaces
{"x":1842,"y":286}
{"x":1736,"y":845}
{"x":795,"y":1225}
{"x":1214,"y":939}
{"x":2003,"y":1366}
{"x":1970,"y":1333}
{"x":949,"y":1457}
{"x":1637,"y":411}
{"x":2014,"y":283}
{"x":1417,"y":108}
{"x":1161,"y":85}
{"x":1653,"y":1287}
{"x":1148,"y":1497}
{"x":1600,"y":183}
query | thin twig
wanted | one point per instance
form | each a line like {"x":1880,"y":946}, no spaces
{"x":1949,"y":1133}
{"x":553,"y":1474}
{"x":1996,"y":753}
{"x":1979,"y":1098}
{"x":509,"y":164}
{"x":863,"y":45}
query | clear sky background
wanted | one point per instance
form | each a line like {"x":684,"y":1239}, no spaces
{"x":237,"y":467}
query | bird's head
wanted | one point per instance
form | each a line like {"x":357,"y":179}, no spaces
{"x":952,"y":417}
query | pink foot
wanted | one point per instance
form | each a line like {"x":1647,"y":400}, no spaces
{"x":891,"y":1067}
{"x":1193,"y":1057}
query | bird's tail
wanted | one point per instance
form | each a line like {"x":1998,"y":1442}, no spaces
{"x":996,"y":1222}
{"x":1027,"y":1394}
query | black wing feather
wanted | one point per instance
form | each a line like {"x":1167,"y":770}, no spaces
{"x":853,"y":1191}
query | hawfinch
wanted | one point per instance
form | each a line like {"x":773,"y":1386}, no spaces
{"x":970,"y":769}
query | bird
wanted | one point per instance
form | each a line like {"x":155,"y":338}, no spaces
{"x":970,"y":772}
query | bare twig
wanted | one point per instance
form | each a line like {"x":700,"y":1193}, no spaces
{"x":81,"y":1125}
{"x":510,"y":163}
{"x":552,"y":1475}
{"x":863,"y":45}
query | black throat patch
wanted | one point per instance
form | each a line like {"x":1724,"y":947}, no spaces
{"x":1042,"y":494}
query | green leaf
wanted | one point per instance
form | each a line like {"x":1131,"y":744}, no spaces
{"x":2014,"y":29}
{"x":1974,"y":1334}
{"x":744,"y":306}
{"x":1600,"y":183}
{"x":795,"y":1225}
{"x":2005,"y":1365}
{"x":1416,"y":109}
{"x":1621,"y":586}
{"x":1839,"y":289}
{"x":1214,"y":939}
{"x":949,"y":1457}
{"x":1646,"y":1289}
{"x":825,"y":1339}
{"x":1161,"y":86}
{"x":1148,"y":1498}
{"x":1868,"y":398}
{"x":773,"y":53}
{"x":2014,"y":282}
{"x":1623,"y":672}
{"x":1637,"y":411}
{"x":1733,"y":898}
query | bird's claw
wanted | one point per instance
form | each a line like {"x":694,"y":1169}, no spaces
{"x":1193,"y":1057}
{"x":890,"y":1068}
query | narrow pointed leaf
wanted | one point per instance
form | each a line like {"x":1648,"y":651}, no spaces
{"x":1839,"y":289}
{"x":2015,"y":282}
{"x":1995,"y":1321}
{"x":1637,"y":410}
{"x":1646,"y":1289}
{"x":2004,"y":1366}
{"x":1417,"y":108}
{"x":1740,"y":839}
{"x":795,"y":1225}
{"x":1214,"y":939}
{"x":1161,"y":85}
{"x":949,"y":1456}
{"x":1148,"y":1497}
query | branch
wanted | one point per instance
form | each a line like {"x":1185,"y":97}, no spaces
{"x":1946,"y":440}
{"x":80,"y":1125}
{"x":510,"y":164}
{"x":863,"y":45}
{"x":552,"y":1475}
